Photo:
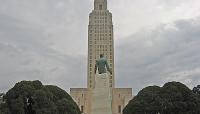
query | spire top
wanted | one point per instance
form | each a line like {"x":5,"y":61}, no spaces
{"x":100,"y":4}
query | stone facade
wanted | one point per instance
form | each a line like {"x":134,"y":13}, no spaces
{"x":121,"y":97}
{"x":100,"y":41}
{"x":83,"y":98}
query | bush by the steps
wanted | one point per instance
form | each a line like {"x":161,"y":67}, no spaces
{"x":172,"y":98}
{"x":47,"y":99}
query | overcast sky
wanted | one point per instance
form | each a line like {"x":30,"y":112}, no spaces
{"x":156,"y":41}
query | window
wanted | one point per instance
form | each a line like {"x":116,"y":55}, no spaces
{"x":82,"y":109}
{"x":100,"y":7}
{"x":119,"y":109}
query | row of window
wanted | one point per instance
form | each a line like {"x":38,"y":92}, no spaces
{"x":97,"y":26}
{"x":103,"y":46}
{"x":100,"y":31}
{"x":100,"y":38}
{"x":100,"y":41}
{"x":105,"y":36}
{"x":103,"y":26}
{"x":100,"y":13}
{"x":103,"y":50}
{"x":100,"y":24}
{"x":101,"y":35}
{"x":97,"y":42}
{"x":105,"y":29}
{"x":100,"y":46}
{"x":100,"y":49}
{"x":105,"y":54}
{"x":91,"y":47}
{"x":101,"y":17}
{"x":102,"y":21}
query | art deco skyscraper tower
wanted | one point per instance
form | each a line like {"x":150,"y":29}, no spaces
{"x":100,"y":39}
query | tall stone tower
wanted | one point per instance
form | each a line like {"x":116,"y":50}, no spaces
{"x":100,"y":39}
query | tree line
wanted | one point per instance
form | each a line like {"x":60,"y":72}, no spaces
{"x":32,"y":97}
{"x":172,"y":98}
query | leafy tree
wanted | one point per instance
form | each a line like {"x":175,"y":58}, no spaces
{"x":46,"y":99}
{"x":4,"y":109}
{"x":172,"y":98}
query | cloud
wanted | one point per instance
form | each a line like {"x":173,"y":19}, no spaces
{"x":167,"y":53}
{"x":132,"y":15}
{"x":27,"y":55}
{"x":63,"y":22}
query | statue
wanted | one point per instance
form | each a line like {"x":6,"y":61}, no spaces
{"x":102,"y":65}
{"x":102,"y":92}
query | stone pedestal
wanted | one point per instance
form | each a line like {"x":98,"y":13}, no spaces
{"x":101,"y":95}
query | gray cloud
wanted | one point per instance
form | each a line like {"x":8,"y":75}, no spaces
{"x":27,"y":55}
{"x":167,"y":53}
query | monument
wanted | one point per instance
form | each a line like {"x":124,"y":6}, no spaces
{"x":101,"y":96}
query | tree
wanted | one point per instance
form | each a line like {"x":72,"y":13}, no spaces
{"x":172,"y":98}
{"x":4,"y":109}
{"x":46,"y":99}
